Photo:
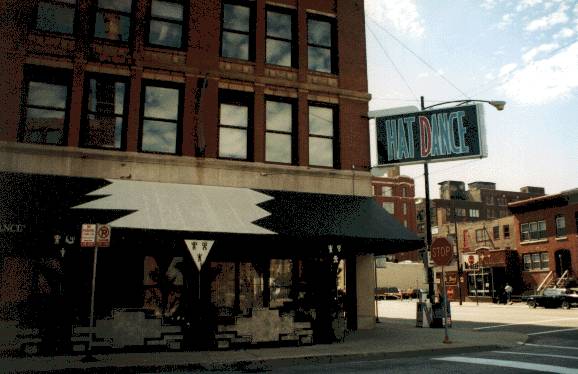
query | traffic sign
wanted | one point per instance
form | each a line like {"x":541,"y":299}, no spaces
{"x":103,"y":236}
{"x":199,"y":250}
{"x":88,"y":235}
{"x":441,"y":252}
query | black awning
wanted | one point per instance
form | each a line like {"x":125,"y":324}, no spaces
{"x":53,"y":201}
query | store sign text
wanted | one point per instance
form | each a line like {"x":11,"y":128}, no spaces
{"x":12,"y":227}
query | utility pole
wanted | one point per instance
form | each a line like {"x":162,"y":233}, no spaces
{"x":427,"y":226}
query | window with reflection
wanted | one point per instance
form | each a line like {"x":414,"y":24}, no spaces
{"x":161,"y":119}
{"x":280,"y":282}
{"x":321,"y":136}
{"x":279,"y":139}
{"x":280,"y":48}
{"x":235,"y":117}
{"x":320,"y":47}
{"x":560,"y":226}
{"x":105,"y":115}
{"x":250,"y":288}
{"x":166,"y":23}
{"x":163,"y":287}
{"x":237,"y":36}
{"x":46,"y":107}
{"x":113,"y":20}
{"x":56,"y":16}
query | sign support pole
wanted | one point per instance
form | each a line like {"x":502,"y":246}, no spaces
{"x":91,"y":335}
{"x":445,"y":306}
{"x":428,"y":234}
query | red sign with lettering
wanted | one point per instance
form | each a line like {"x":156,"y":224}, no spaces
{"x":441,"y":252}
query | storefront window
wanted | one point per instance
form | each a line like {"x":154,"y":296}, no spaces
{"x":163,"y":288}
{"x":250,"y":288}
{"x":280,"y":282}
{"x":223,"y":288}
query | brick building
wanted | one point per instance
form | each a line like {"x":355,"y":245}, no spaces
{"x":234,"y":128}
{"x":546,"y":230}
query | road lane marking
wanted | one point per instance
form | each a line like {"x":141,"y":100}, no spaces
{"x":549,"y":346}
{"x":509,"y":364}
{"x":552,"y":331}
{"x":537,"y":354}
{"x":524,"y":323}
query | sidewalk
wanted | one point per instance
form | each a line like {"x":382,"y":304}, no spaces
{"x":391,"y":338}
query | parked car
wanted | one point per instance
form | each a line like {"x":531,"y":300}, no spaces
{"x":410,"y":293}
{"x":554,"y":298}
{"x":387,"y":293}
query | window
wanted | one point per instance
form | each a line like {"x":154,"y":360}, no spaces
{"x":234,"y":126}
{"x":527,"y":262}
{"x":404,"y":208}
{"x":560,"y":226}
{"x":496,"y":232}
{"x":237,"y":31}
{"x":163,"y":287}
{"x":280,"y":282}
{"x":389,"y":207}
{"x":320,"y":47}
{"x":536,"y":261}
{"x":544,"y":260}
{"x":321,"y":136}
{"x":46,"y":107}
{"x":386,"y":191}
{"x":56,"y":16}
{"x":281,"y":50}
{"x":466,"y":239}
{"x":404,"y":192}
{"x":279,"y":132}
{"x":105,"y":116}
{"x":460,"y":212}
{"x":166,"y":23}
{"x":161,"y":117}
{"x":475,"y":213}
{"x":533,"y":230}
{"x":506,"y":229}
{"x":113,"y":20}
{"x":482,"y":235}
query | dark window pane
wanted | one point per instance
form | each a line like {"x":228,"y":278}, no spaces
{"x":278,"y":52}
{"x":44,"y":126}
{"x":278,"y":148}
{"x":47,"y":95}
{"x":319,"y":33}
{"x":279,"y":116}
{"x":320,"y":121}
{"x":320,"y":151}
{"x":165,"y":33}
{"x":119,"y":97}
{"x":235,"y":46}
{"x":166,"y":10}
{"x":104,"y":131}
{"x":279,"y":25}
{"x":120,"y":5}
{"x":55,"y":18}
{"x":161,"y":103}
{"x":110,"y":25}
{"x":319,"y":59}
{"x":159,"y":136}
{"x":232,"y":143}
{"x":236,"y":17}
{"x":234,"y":115}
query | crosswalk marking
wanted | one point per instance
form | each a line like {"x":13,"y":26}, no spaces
{"x":550,"y":346}
{"x":523,"y":323}
{"x":551,"y":331}
{"x":510,"y":364}
{"x":537,"y":354}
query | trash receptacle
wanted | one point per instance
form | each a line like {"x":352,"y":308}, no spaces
{"x":437,"y":319}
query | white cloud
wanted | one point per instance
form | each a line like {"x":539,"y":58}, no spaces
{"x":532,"y":53}
{"x":549,"y":21}
{"x":507,"y":69}
{"x":402,"y":15}
{"x":524,"y":4}
{"x":505,"y":21}
{"x":546,"y":80}
{"x":488,"y":4}
{"x":564,"y":33}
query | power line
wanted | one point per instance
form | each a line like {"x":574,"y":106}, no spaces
{"x":419,"y":57}
{"x":393,"y":63}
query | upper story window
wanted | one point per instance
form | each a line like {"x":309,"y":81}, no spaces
{"x":235,"y":120}
{"x":475,"y":213}
{"x":389,"y":207}
{"x":161,"y":118}
{"x":386,"y":191}
{"x":482,"y":235}
{"x":113,"y":20}
{"x":506,"y":229}
{"x":166,"y":23}
{"x":560,"y":226}
{"x":404,"y":192}
{"x":56,"y":16}
{"x":322,"y":136}
{"x":460,"y":212}
{"x":320,"y":44}
{"x":47,"y":103}
{"x":496,"y":232}
{"x":105,"y":113}
{"x":533,"y":230}
{"x":280,"y":38}
{"x":237,"y":38}
{"x":279,"y":139}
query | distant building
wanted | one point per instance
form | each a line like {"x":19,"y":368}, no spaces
{"x":546,"y":230}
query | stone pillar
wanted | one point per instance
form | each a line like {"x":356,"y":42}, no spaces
{"x":365,"y":287}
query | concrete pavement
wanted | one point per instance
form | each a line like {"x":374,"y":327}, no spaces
{"x":392,"y":337}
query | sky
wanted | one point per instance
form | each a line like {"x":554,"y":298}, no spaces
{"x":523,"y":52}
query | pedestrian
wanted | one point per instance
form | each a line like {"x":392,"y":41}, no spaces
{"x":508,"y":290}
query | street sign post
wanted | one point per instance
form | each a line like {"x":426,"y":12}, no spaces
{"x":442,"y":254}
